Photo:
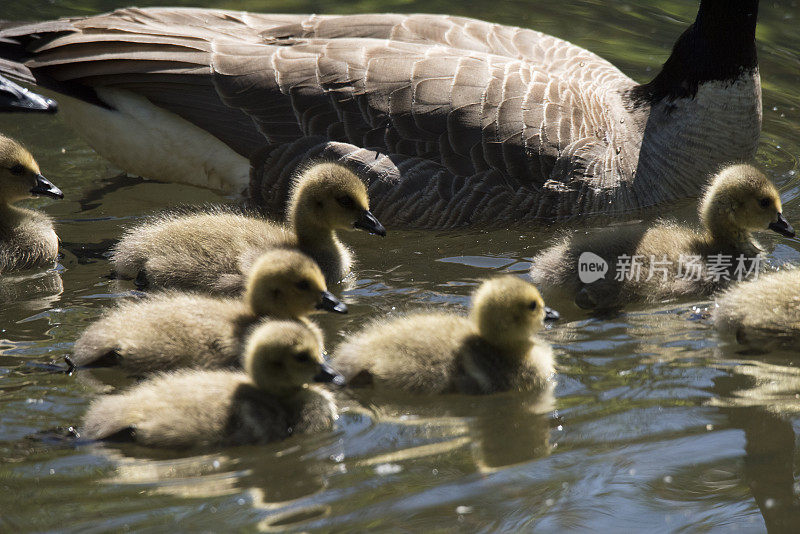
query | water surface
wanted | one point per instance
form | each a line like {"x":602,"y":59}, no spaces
{"x":655,"y":422}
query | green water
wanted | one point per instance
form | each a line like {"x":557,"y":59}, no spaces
{"x":655,"y":424}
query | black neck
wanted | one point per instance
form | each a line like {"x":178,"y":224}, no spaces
{"x":719,"y":46}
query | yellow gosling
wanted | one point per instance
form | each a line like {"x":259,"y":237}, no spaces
{"x":172,"y":329}
{"x":212,"y":250}
{"x":762,"y":313}
{"x":494,"y":349}
{"x":270,"y":401}
{"x":738,"y":201}
{"x":27,"y":237}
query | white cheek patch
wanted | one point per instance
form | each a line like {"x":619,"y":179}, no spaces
{"x":153,"y":143}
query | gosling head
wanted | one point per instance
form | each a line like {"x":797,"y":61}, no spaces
{"x":283,"y":356}
{"x":330,"y":196}
{"x":20,"y":177}
{"x":288,"y":284}
{"x":508,"y":311}
{"x":741,"y":199}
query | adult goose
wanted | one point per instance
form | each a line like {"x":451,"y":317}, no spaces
{"x":453,"y":121}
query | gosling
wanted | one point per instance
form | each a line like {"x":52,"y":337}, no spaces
{"x":172,"y":329}
{"x":669,"y":260}
{"x":192,"y":408}
{"x":762,"y":313}
{"x":27,"y":237}
{"x":213,"y":250}
{"x":430,"y":353}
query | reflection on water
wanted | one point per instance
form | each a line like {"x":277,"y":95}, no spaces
{"x":761,"y":399}
{"x":654,"y":422}
{"x":28,"y":291}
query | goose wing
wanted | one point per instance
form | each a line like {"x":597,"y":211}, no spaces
{"x":548,"y":53}
{"x":490,"y":127}
{"x":519,"y":108}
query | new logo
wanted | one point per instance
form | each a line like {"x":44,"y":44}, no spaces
{"x":591,"y":267}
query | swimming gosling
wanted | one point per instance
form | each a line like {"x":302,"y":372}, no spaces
{"x":762,"y":313}
{"x":673,"y":260}
{"x":27,"y":237}
{"x":212,"y":250}
{"x":270,"y":401}
{"x":173,"y":329}
{"x":492,"y":350}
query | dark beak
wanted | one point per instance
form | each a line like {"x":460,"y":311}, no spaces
{"x":16,"y":98}
{"x":782,"y":226}
{"x":551,"y":315}
{"x":367,"y":221}
{"x":326,"y":374}
{"x":45,"y":187}
{"x":331,"y":303}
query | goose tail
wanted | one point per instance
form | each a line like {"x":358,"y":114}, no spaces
{"x":14,"y":97}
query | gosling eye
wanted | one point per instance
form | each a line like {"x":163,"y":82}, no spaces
{"x":17,"y":169}
{"x":533,"y":305}
{"x":303,"y":285}
{"x":764,"y":203}
{"x":346,"y":201}
{"x":303,"y":357}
